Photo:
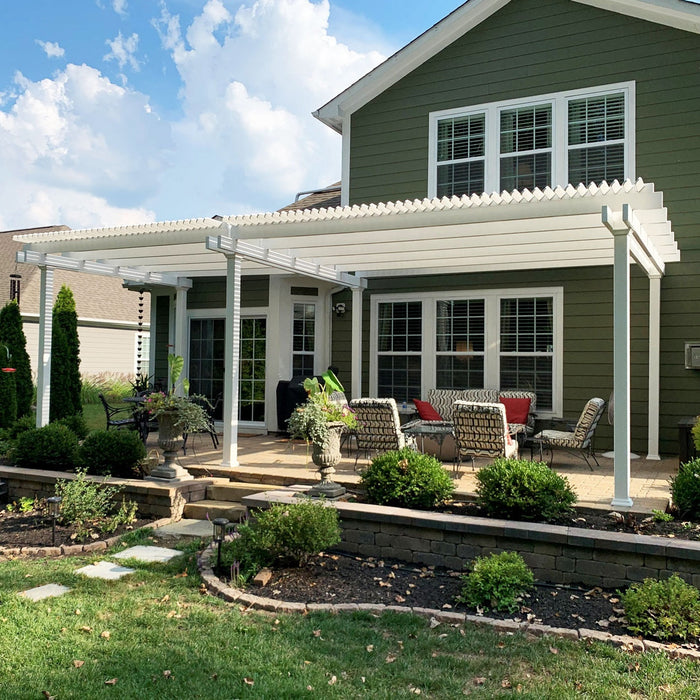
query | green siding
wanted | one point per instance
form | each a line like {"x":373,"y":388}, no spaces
{"x":210,"y":292}
{"x":160,"y":371}
{"x":536,"y":47}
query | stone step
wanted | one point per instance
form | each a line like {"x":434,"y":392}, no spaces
{"x":234,"y":490}
{"x":209,"y":508}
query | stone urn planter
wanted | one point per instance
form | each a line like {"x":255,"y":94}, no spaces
{"x":170,"y":441}
{"x":325,"y":457}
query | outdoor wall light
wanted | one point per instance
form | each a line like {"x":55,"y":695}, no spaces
{"x":220,"y":525}
{"x":339,"y":309}
{"x":54,"y":510}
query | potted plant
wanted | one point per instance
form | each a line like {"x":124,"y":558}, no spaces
{"x":176,"y":414}
{"x":321,"y":421}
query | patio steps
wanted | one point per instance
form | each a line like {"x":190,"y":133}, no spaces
{"x":223,"y":500}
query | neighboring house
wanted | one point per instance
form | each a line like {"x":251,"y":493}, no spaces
{"x":499,"y":174}
{"x":108,"y":314}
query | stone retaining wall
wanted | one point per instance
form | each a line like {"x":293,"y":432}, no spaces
{"x":556,"y":554}
{"x":154,"y":499}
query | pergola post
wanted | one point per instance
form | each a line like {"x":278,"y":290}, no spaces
{"x":356,"y":367}
{"x":180,"y":335}
{"x":654,"y":365}
{"x":231,"y":359}
{"x":621,"y":366}
{"x":43,"y":391}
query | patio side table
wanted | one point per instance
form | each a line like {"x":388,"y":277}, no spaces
{"x":438,"y":430}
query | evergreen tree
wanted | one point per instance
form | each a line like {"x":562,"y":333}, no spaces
{"x":12,"y":336}
{"x":65,"y":357}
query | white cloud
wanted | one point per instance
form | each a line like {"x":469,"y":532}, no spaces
{"x":119,"y":6}
{"x":123,"y":51}
{"x":51,"y":48}
{"x":250,"y":81}
{"x":80,"y":148}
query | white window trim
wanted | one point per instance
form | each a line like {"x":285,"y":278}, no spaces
{"x":315,"y":302}
{"x":492,"y":298}
{"x":560,"y":150}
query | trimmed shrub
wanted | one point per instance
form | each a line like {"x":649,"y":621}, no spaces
{"x":65,"y":357}
{"x":112,"y":453}
{"x":685,"y":490}
{"x":663,"y":609}
{"x":21,"y":425}
{"x":76,"y":424}
{"x":285,"y":533}
{"x":407,"y":479}
{"x":497,"y":582}
{"x":520,"y":490}
{"x":13,"y":338}
{"x":52,"y":447}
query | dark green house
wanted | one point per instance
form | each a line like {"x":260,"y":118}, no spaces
{"x":518,"y":209}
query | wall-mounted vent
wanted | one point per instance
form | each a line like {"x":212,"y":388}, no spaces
{"x":692,"y":355}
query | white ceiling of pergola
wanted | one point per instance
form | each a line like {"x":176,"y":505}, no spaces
{"x":549,"y":228}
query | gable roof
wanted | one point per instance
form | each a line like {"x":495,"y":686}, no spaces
{"x":679,"y":14}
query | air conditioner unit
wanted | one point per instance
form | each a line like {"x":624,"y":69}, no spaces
{"x":692,"y":355}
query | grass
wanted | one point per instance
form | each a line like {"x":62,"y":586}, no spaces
{"x":160,"y":637}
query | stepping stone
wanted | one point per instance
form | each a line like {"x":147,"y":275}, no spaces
{"x":144,"y":553}
{"x":187,"y":527}
{"x":106,"y":570}
{"x":48,"y":591}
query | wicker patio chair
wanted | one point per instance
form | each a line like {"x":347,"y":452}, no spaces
{"x":378,"y":426}
{"x":578,"y":441}
{"x":481,"y":430}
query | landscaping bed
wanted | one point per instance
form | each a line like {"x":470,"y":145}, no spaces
{"x":33,"y":529}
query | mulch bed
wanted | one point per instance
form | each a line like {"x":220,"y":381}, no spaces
{"x":339,"y":578}
{"x":33,"y":529}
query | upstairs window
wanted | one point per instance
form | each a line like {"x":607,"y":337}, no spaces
{"x":575,"y":137}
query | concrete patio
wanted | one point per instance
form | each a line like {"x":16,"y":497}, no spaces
{"x":274,"y":460}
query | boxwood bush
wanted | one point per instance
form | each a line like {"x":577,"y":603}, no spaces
{"x":685,"y":490}
{"x":521,"y":490}
{"x":407,"y":479}
{"x":284,"y":534}
{"x":52,"y":447}
{"x":663,"y":609}
{"x":112,"y":453}
{"x":497,"y":582}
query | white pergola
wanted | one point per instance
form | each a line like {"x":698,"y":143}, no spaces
{"x":551,"y":228}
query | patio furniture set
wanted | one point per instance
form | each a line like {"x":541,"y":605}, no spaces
{"x":480,"y":427}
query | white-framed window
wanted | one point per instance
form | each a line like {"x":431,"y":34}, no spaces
{"x":496,"y":338}
{"x":303,"y":339}
{"x":547,"y":140}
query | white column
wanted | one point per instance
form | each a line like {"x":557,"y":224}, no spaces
{"x":180,"y":337}
{"x":43,"y":389}
{"x":621,"y":367}
{"x":356,"y":367}
{"x":232,"y":360}
{"x":654,"y":365}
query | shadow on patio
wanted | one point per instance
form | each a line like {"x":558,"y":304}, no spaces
{"x":274,"y":460}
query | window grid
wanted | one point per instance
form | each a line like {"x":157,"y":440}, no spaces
{"x":251,"y":385}
{"x":527,"y":347}
{"x":303,"y":339}
{"x":461,"y":155}
{"x":460,"y":342}
{"x":399,"y":336}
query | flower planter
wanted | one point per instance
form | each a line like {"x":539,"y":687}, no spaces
{"x":170,"y":441}
{"x":325,"y":457}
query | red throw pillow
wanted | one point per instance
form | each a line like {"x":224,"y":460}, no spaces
{"x":426,"y":410}
{"x":516,"y":410}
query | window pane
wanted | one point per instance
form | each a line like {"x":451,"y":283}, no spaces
{"x":461,"y":147}
{"x":460,"y":372}
{"x":532,"y":373}
{"x":303,"y":339}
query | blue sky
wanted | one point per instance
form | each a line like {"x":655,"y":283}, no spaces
{"x":122,"y":111}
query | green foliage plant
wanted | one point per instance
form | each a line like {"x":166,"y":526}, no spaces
{"x":52,"y":447}
{"x":65,"y":357}
{"x":90,"y":506}
{"x":310,"y":421}
{"x":13,"y":338}
{"x":112,"y":453}
{"x":287,"y":534}
{"x":76,"y":424}
{"x":190,"y":415}
{"x":517,"y":489}
{"x":685,"y":490}
{"x":407,"y":479}
{"x":663,"y":609}
{"x":661,"y":516}
{"x":496,"y":582}
{"x":24,"y":505}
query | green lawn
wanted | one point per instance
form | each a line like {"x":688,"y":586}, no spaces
{"x":160,"y":637}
